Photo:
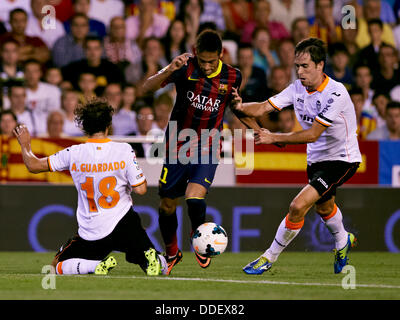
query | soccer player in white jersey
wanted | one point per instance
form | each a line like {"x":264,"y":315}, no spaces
{"x":326,"y":113}
{"x":104,"y":173}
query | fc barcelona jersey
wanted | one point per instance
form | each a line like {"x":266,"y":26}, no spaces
{"x":201,"y":100}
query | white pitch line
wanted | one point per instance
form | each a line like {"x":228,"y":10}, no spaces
{"x":268,"y":282}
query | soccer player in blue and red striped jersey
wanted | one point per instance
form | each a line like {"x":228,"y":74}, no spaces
{"x":204,"y":87}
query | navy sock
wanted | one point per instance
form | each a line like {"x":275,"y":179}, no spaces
{"x":197,"y":211}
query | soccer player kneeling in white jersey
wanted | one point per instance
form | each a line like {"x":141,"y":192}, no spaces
{"x":104,"y":173}
{"x":326,"y":113}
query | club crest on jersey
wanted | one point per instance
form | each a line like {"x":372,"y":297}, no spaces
{"x":203,"y":102}
{"x":223,"y":88}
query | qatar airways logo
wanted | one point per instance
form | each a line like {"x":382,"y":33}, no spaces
{"x":203,"y":102}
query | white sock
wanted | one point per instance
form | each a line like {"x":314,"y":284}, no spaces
{"x":287,"y":231}
{"x":334,"y":223}
{"x":76,"y":266}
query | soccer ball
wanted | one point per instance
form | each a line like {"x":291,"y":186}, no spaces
{"x":209,"y":239}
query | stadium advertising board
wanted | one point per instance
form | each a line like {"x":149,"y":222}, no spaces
{"x":41,"y":218}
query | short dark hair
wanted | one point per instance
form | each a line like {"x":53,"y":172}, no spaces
{"x":10,"y":112}
{"x":375,"y":21}
{"x":337,"y":47}
{"x":94,"y":116}
{"x":17,"y":10}
{"x":393,"y":105}
{"x":209,"y":41}
{"x":92,"y":38}
{"x":313,"y":46}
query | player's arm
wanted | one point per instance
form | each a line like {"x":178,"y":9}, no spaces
{"x":32,"y":163}
{"x":264,"y":136}
{"x":248,"y":112}
{"x":140,"y":189}
{"x":154,"y":82}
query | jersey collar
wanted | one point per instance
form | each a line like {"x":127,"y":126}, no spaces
{"x":92,"y":140}
{"x":322,"y":86}
{"x":217,"y":72}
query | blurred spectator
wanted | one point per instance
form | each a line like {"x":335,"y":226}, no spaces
{"x":29,"y":47}
{"x":10,"y":70}
{"x":264,"y":57}
{"x":96,"y":27}
{"x":175,"y":40}
{"x":146,"y":126}
{"x":113,"y":95}
{"x":53,"y":76}
{"x":391,"y":131}
{"x":388,"y":75}
{"x":380,"y":100}
{"x":104,"y":70}
{"x":17,"y":97}
{"x":237,"y":13}
{"x":42,"y":97}
{"x":337,"y":8}
{"x":254,"y":80}
{"x":262,"y":19}
{"x":365,"y":122}
{"x":6,"y":6}
{"x":369,"y":54}
{"x":287,"y":11}
{"x":278,"y":80}
{"x":286,"y":120}
{"x":69,"y":102}
{"x":300,"y":30}
{"x":323,"y":25}
{"x":338,"y":68}
{"x":8,"y":121}
{"x":118,"y":49}
{"x":55,"y":125}
{"x":148,"y":23}
{"x":35,"y":29}
{"x":105,"y":10}
{"x":87,"y":86}
{"x":163,"y":106}
{"x":212,"y":12}
{"x":152,"y":61}
{"x":363,"y":80}
{"x":372,"y":10}
{"x":69,"y":48}
{"x":124,"y":120}
{"x":286,"y":58}
{"x":381,"y":9}
{"x":190,"y":12}
{"x":349,"y":40}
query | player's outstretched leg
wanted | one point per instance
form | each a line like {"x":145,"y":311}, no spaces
{"x":287,"y":231}
{"x":84,"y":266}
{"x":341,"y":256}
{"x":106,"y":265}
{"x":197,"y":214}
{"x":344,"y":241}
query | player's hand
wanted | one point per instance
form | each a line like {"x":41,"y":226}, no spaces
{"x":21,"y":132}
{"x":237,"y":100}
{"x":263,"y":136}
{"x":179,"y":62}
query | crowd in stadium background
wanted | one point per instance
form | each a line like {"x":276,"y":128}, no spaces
{"x":107,"y":48}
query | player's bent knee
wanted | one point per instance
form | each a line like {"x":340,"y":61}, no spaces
{"x":167,"y":207}
{"x":324,"y":209}
{"x":297,"y":210}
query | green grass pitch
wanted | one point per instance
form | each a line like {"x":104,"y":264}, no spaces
{"x":295,"y":276}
